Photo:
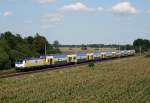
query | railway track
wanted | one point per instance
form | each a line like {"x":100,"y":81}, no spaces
{"x":15,"y":74}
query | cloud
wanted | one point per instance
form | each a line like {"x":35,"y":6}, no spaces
{"x":148,"y":11}
{"x":100,"y":8}
{"x":28,"y":21}
{"x":53,"y":17}
{"x":8,"y":13}
{"x":124,"y":7}
{"x":76,"y":7}
{"x":45,"y":1}
{"x":51,"y":20}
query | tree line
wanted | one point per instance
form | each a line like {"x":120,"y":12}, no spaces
{"x":143,"y":44}
{"x":85,"y":46}
{"x":13,"y":47}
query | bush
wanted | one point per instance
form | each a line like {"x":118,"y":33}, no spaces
{"x":91,"y":65}
{"x":4,"y":59}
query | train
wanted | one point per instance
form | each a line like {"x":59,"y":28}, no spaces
{"x":62,"y":59}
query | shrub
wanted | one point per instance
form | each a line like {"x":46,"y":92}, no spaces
{"x":91,"y":65}
{"x":4,"y":60}
{"x":147,"y":54}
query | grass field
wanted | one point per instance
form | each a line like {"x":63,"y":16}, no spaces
{"x":118,"y":81}
{"x":7,"y":71}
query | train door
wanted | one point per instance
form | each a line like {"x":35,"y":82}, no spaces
{"x":50,"y":60}
{"x":69,"y":59}
{"x":72,"y":58}
{"x":92,"y":57}
{"x":103,"y":55}
{"x":88,"y":57}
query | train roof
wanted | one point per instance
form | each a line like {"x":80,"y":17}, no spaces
{"x":30,"y":58}
{"x":63,"y":55}
{"x":81,"y":53}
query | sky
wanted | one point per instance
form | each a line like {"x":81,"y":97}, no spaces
{"x":78,"y":21}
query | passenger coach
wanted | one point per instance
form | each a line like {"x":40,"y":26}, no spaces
{"x":53,"y":60}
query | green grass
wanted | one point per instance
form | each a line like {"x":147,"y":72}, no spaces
{"x":118,"y":81}
{"x":7,"y":70}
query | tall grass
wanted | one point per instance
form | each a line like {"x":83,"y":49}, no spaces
{"x":117,"y":81}
{"x":147,"y":54}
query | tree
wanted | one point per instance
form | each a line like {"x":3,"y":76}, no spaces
{"x":4,"y":59}
{"x":29,"y":39}
{"x":56,"y":44}
{"x":126,"y":47}
{"x":14,"y":55}
{"x":13,"y":47}
{"x":4,"y":45}
{"x":39,"y":43}
{"x":83,"y":47}
{"x":10,"y":38}
{"x":18,"y":38}
{"x":144,"y":44}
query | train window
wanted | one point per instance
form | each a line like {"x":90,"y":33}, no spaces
{"x":51,"y":61}
{"x":70,"y":58}
{"x":88,"y":57}
{"x":19,"y":61}
{"x":74,"y":58}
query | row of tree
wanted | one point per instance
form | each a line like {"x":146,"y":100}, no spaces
{"x":138,"y":44}
{"x":13,"y":47}
{"x":141,"y":45}
{"x":97,"y":46}
{"x":85,"y":46}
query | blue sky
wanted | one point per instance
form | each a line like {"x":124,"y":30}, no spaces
{"x":78,"y":21}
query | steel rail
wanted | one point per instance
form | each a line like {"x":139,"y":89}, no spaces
{"x":15,"y":74}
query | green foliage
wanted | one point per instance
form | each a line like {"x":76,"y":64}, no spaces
{"x":126,"y":47}
{"x":91,"y":65}
{"x":39,"y":43}
{"x":14,"y":55}
{"x":13,"y":47}
{"x":144,"y":44}
{"x":83,"y":47}
{"x":56,"y":44}
{"x":4,"y":59}
{"x":147,"y":55}
{"x":29,"y":39}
